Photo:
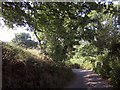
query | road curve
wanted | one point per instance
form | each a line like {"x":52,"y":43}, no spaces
{"x":87,"y":79}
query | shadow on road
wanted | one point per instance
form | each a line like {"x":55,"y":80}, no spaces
{"x":87,"y":80}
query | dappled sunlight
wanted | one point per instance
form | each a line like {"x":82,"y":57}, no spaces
{"x":37,"y":53}
{"x":96,"y":84}
{"x":84,"y":71}
{"x":91,"y":79}
{"x":94,"y":80}
{"x":58,"y":39}
{"x":91,"y":75}
{"x":79,"y":70}
{"x":88,"y":79}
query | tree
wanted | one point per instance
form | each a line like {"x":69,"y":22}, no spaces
{"x":59,"y":24}
{"x":24,"y":39}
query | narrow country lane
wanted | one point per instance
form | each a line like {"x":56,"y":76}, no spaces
{"x":88,"y":80}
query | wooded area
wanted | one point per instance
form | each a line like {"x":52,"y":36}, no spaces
{"x":86,"y":34}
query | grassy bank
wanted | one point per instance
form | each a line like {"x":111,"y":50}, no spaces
{"x":23,"y":69}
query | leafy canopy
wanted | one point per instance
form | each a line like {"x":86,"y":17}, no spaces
{"x":61,"y":25}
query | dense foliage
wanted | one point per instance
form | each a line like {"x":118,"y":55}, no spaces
{"x":60,"y":27}
{"x":24,"y":39}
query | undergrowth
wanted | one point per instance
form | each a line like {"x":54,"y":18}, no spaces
{"x":22,"y":69}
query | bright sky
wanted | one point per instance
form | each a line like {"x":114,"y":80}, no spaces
{"x":7,"y":34}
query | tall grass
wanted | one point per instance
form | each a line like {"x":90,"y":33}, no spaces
{"x":26,"y":69}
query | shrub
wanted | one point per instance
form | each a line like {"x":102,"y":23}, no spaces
{"x":115,"y":76}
